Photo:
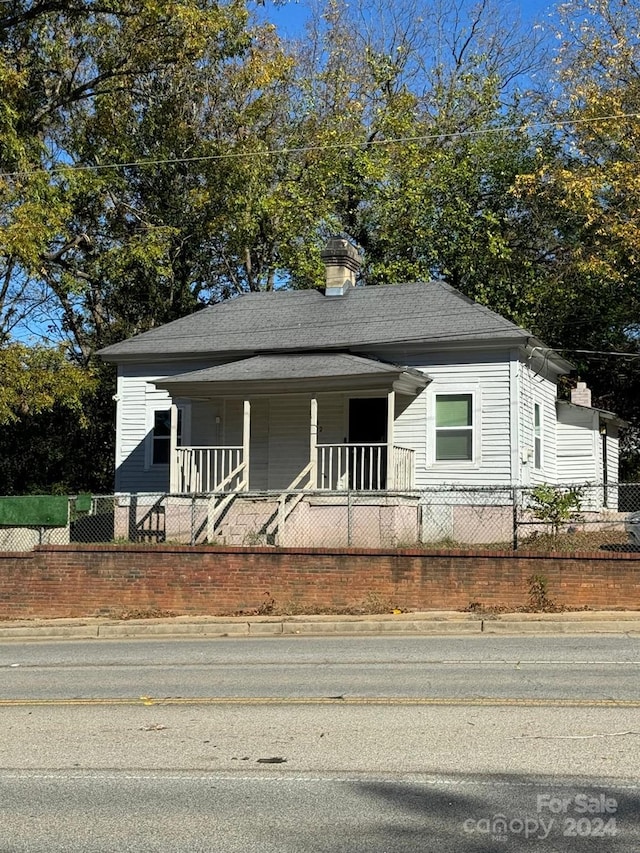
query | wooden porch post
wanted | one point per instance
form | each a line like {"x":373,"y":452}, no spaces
{"x":313,"y":444}
{"x":246,"y":433}
{"x":391,"y":415}
{"x":174,"y":473}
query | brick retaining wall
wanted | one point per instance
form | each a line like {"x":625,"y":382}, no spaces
{"x":66,"y":581}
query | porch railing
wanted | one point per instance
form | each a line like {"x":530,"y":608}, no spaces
{"x":363,"y":467}
{"x":210,"y":469}
{"x":403,"y":468}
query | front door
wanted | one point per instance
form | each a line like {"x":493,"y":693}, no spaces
{"x":368,"y":426}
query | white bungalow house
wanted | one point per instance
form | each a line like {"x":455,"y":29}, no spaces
{"x":387,"y":390}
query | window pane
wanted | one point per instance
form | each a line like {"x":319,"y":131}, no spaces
{"x":162,"y":435}
{"x":453,"y":410}
{"x":162,"y":424}
{"x":161,"y":451}
{"x":537,"y":440}
{"x":454,"y":444}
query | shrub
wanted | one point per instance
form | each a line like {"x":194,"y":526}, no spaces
{"x":556,"y":505}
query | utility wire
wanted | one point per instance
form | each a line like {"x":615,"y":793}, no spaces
{"x":306,"y":149}
{"x":632,"y":355}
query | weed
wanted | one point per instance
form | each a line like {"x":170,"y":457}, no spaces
{"x":539,"y":600}
{"x":268,"y":606}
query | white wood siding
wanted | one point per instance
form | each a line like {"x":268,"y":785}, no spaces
{"x":206,"y":423}
{"x":280,"y":431}
{"x":580,"y":455}
{"x":289,"y":433}
{"x":535,"y":388}
{"x":487,"y":377}
{"x":613,"y":452}
{"x":611,"y":494}
{"x":232,"y":419}
{"x":411,"y":430}
{"x":332,"y":418}
{"x":259,"y":444}
{"x":504,"y":391}
{"x":137,"y":399}
{"x":578,"y":450}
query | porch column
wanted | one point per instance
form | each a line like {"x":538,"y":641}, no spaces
{"x":246,"y":433}
{"x":174,"y":474}
{"x":391,"y":415}
{"x":313,"y":444}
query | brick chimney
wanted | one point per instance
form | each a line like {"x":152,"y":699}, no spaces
{"x":342,"y":262}
{"x":581,"y":395}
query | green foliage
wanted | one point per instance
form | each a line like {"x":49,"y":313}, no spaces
{"x":56,"y":436}
{"x":34,"y":379}
{"x":160,"y":155}
{"x":62,"y":450}
{"x":589,"y":196}
{"x":556,"y":505}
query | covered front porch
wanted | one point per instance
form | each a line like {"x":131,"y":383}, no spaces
{"x":288,"y":423}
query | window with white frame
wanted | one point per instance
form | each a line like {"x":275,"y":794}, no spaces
{"x":537,"y":436}
{"x":161,"y":435}
{"x":454,"y":428}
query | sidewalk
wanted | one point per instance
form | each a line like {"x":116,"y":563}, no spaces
{"x":430,"y":623}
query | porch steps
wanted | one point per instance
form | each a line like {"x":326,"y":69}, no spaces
{"x":286,"y":505}
{"x":239,"y":519}
{"x":216,"y":511}
{"x":249,"y":519}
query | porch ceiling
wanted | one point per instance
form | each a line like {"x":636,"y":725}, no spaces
{"x":295,"y":373}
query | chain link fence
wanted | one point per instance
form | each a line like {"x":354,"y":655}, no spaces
{"x":545,"y":518}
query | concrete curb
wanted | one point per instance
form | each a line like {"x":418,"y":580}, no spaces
{"x":431,"y":623}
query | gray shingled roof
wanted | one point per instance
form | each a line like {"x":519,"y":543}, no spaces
{"x":281,"y":321}
{"x":294,"y":366}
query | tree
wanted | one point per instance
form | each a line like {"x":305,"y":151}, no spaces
{"x":79,"y":83}
{"x":590,"y":196}
{"x":34,"y":379}
{"x":87,"y":253}
{"x":426,"y":187}
{"x":60,"y":448}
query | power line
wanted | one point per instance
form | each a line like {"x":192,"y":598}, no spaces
{"x":598,"y":352}
{"x":307,"y":149}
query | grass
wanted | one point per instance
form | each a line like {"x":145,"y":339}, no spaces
{"x":602,"y":539}
{"x":599,"y":539}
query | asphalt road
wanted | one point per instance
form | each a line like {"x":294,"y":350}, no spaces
{"x":297,"y":744}
{"x":291,"y":667}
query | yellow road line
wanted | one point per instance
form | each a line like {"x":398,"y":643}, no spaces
{"x":347,"y":700}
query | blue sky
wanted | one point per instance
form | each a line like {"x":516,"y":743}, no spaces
{"x":290,"y":16}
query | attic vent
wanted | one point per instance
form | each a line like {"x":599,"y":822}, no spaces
{"x":342,"y":262}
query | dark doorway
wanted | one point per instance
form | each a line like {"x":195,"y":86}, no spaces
{"x":368,"y":426}
{"x":367,"y":420}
